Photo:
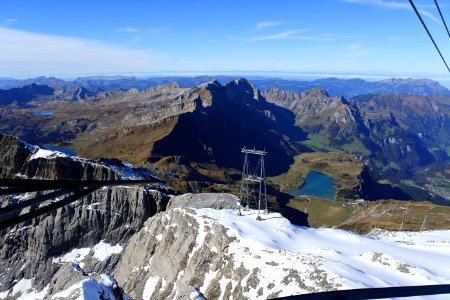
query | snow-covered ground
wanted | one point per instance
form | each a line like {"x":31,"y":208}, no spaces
{"x":347,"y":260}
{"x":87,"y":289}
{"x":101,"y":252}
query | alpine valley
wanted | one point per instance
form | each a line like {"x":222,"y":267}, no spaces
{"x":385,"y":145}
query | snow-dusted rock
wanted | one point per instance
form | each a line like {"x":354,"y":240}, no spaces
{"x":90,"y":232}
{"x":204,"y":200}
{"x":226,"y":256}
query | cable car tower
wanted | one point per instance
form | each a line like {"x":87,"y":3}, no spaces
{"x":250,"y":179}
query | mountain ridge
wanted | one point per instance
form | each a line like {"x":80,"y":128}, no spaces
{"x":335,"y":86}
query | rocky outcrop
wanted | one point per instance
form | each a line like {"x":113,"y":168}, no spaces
{"x":108,"y":216}
{"x":19,"y":159}
{"x":204,"y":200}
{"x":111,"y":214}
{"x":80,"y":94}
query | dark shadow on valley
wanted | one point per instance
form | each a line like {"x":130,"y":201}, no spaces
{"x":295,"y":216}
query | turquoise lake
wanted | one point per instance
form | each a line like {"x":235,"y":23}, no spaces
{"x":317,"y":185}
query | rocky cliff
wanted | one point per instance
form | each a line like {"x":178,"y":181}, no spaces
{"x":34,"y":252}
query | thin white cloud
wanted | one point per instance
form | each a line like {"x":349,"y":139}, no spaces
{"x":156,"y":29}
{"x":381,"y":3}
{"x":394,"y":38}
{"x":127,"y":29}
{"x":396,"y":5}
{"x":268,"y":24}
{"x":8,"y":22}
{"x":429,"y":15}
{"x":356,"y":50}
{"x":290,"y":35}
{"x":27,"y":53}
{"x":285,"y":35}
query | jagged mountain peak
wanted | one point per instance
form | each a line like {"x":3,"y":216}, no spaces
{"x":210,"y":85}
{"x":319,"y":92}
{"x":241,"y":83}
{"x":168,"y":87}
{"x":242,"y":89}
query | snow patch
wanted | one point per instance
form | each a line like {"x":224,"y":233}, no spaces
{"x":104,"y":250}
{"x":24,"y":290}
{"x":149,"y":287}
{"x":76,"y":255}
{"x":47,"y":154}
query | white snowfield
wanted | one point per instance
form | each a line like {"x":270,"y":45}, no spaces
{"x":44,"y":153}
{"x":348,"y":259}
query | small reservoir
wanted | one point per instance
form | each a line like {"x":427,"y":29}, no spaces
{"x":43,"y":113}
{"x":317,"y":185}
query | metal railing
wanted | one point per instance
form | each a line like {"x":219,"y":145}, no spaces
{"x":376,"y":293}
{"x":72,"y":189}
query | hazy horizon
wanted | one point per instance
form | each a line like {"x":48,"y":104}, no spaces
{"x":301,"y":76}
{"x":337,"y":37}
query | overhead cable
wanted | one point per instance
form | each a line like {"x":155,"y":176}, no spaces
{"x":442,"y":17}
{"x":429,"y":34}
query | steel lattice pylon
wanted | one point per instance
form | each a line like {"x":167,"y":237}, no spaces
{"x":250,"y":179}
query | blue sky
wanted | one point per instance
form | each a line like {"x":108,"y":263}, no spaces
{"x":71,"y":38}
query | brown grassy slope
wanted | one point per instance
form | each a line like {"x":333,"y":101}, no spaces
{"x":362,"y":217}
{"x":388,"y":214}
{"x":321,"y":212}
{"x":131,"y":144}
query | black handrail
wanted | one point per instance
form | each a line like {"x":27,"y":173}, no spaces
{"x":46,"y":209}
{"x":79,"y":188}
{"x":375,"y":293}
{"x":34,"y":201}
{"x":34,"y":185}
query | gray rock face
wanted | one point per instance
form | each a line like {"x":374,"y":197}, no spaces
{"x":111,"y":215}
{"x":205,"y":200}
{"x":16,"y":161}
{"x":181,"y":248}
{"x":165,"y":251}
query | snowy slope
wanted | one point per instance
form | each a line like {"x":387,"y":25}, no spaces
{"x":343,"y":259}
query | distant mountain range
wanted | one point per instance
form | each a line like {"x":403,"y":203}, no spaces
{"x":334,"y":86}
{"x":403,"y":138}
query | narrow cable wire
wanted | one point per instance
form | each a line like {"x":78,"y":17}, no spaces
{"x":442,"y":17}
{"x":429,"y":34}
